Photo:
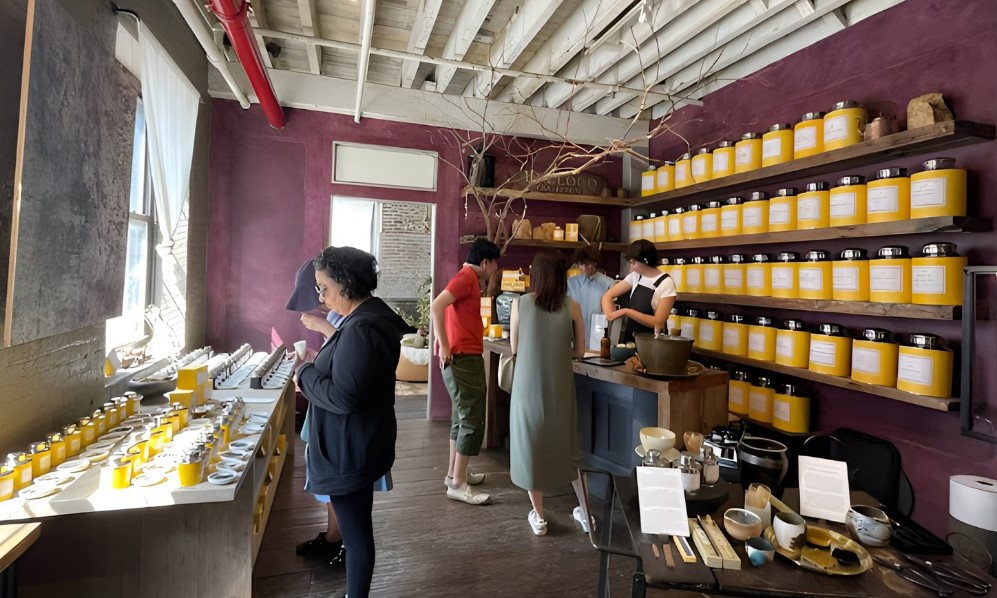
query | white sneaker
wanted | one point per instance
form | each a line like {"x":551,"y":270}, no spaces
{"x":539,"y":525}
{"x":464,"y":493}
{"x":579,"y":516}
{"x":473,"y":479}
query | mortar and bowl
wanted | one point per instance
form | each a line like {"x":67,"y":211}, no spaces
{"x":663,"y":355}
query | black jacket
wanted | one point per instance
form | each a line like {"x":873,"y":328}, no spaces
{"x":351,"y":386}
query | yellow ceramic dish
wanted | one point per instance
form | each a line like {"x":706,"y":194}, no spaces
{"x":820,"y":559}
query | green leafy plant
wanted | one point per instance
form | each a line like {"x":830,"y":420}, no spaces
{"x":421,"y":318}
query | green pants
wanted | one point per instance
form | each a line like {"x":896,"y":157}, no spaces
{"x":465,"y":380}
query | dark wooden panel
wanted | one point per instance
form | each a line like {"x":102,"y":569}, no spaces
{"x":74,"y":165}
{"x":13,"y":14}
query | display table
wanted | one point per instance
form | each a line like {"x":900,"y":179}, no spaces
{"x":14,"y":540}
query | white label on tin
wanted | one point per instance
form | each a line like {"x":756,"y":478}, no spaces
{"x":681,"y":172}
{"x":756,"y":342}
{"x":835,"y":128}
{"x":677,"y":275}
{"x":929,"y":280}
{"x":675,"y":227}
{"x":758,"y":400}
{"x":822,"y":352}
{"x":780,"y":411}
{"x":782,"y":278}
{"x":729,"y":219}
{"x":846,"y":278}
{"x":689,"y":329}
{"x":784,"y":345}
{"x":756,"y":278}
{"x":915,"y":369}
{"x":693,"y":277}
{"x":699,"y":167}
{"x":753,"y":216}
{"x":706,"y":332}
{"x":808,"y":208}
{"x":886,"y":278}
{"x":865,"y":360}
{"x":648,"y":230}
{"x":709,"y":223}
{"x":743,"y":155}
{"x":927,"y":192}
{"x":663,"y":176}
{"x":811,"y":279}
{"x":771,"y":148}
{"x":778,"y":213}
{"x":735,"y":395}
{"x":712,"y":276}
{"x":732,"y":337}
{"x":805,"y":138}
{"x":842,"y":204}
{"x":647,"y":182}
{"x":660,"y":228}
{"x":734,"y":277}
{"x":884,"y":200}
{"x":689,"y":223}
{"x":721,"y":161}
{"x":635,"y":230}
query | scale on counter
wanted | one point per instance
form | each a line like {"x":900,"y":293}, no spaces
{"x":724,"y":441}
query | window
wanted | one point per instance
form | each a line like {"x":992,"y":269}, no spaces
{"x":355,"y":223}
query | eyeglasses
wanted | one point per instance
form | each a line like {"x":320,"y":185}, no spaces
{"x":319,"y":290}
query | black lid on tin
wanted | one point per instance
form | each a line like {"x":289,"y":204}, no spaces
{"x":854,"y":254}
{"x":817,"y":186}
{"x":831,"y":330}
{"x":939,"y":164}
{"x":816,"y":255}
{"x":664,"y":261}
{"x":763,"y":321}
{"x":760,"y":258}
{"x":786,"y":192}
{"x":787,"y":256}
{"x":714,"y":315}
{"x":697,"y":260}
{"x":747,"y":136}
{"x":877,"y":335}
{"x":734,"y":201}
{"x":726,"y":143}
{"x":759,"y":196}
{"x":844,"y":104}
{"x":939,"y":250}
{"x":713,"y":204}
{"x":812,"y":116}
{"x":678,"y":211}
{"x":735,"y":319}
{"x":892,"y":252}
{"x":791,"y":390}
{"x":738,"y":258}
{"x":780,"y":127}
{"x":692,"y":312}
{"x":851,"y":179}
{"x":680,"y":261}
{"x":763,"y":382}
{"x":923,"y":340}
{"x":694,"y":208}
{"x":740,"y":376}
{"x":718,"y":259}
{"x":799,"y":325}
{"x":890,"y":173}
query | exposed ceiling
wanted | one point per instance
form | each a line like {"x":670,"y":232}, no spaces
{"x":607,"y":63}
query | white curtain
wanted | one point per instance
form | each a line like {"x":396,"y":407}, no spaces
{"x":171,"y":105}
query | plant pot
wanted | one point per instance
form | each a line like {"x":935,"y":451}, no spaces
{"x":762,"y":461}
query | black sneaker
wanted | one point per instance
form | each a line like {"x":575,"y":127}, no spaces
{"x":319,"y":547}
{"x":340,"y":558}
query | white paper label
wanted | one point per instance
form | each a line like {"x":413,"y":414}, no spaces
{"x":732,"y":337}
{"x":756,"y":278}
{"x":756,"y":342}
{"x":689,"y":223}
{"x":709,"y":223}
{"x":805,"y":138}
{"x":712,"y":276}
{"x":808,"y":208}
{"x":729,"y":219}
{"x":735,"y":395}
{"x":689,"y":329}
{"x":647,"y":182}
{"x":663,"y":178}
{"x":784,"y":345}
{"x":865,"y":360}
{"x":743,"y":155}
{"x":635,"y":230}
{"x":681,"y":172}
{"x":886,"y":278}
{"x":811,"y":279}
{"x":835,"y":128}
{"x":822,"y":352}
{"x":782,"y":278}
{"x":706,"y":332}
{"x":721,"y":161}
{"x":693,"y":277}
{"x":915,"y":369}
{"x":842,"y":205}
{"x":648,"y":230}
{"x":675,"y":228}
{"x":733,"y":277}
{"x":846,"y":278}
{"x":677,"y":276}
{"x":884,"y":200}
{"x":753,"y":216}
{"x":927,"y":192}
{"x":929,"y":280}
{"x":758,"y":400}
{"x":660,"y":230}
{"x":780,"y":411}
{"x":699,"y":167}
{"x":778,"y":213}
{"x":771,"y":148}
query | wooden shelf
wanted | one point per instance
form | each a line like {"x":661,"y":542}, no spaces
{"x":862,"y":308}
{"x":933,"y":138}
{"x":755,"y":422}
{"x":938,"y":224}
{"x":848,"y":383}
{"x":568,"y":244}
{"x":622,"y":202}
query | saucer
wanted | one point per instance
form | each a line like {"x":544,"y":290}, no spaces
{"x":223,"y":477}
{"x":74,"y":465}
{"x":669,"y":456}
{"x":55,"y":477}
{"x":245,"y":444}
{"x":38,"y":491}
{"x":149,"y":477}
{"x":231,"y":465}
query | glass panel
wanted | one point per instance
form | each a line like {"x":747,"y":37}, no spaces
{"x":137,"y":201}
{"x":352,"y":223}
{"x":136,"y":267}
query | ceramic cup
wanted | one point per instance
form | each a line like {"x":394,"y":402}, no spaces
{"x":658,"y":439}
{"x":765,"y":514}
{"x":869,"y":525}
{"x":299,"y":349}
{"x":790,"y":531}
{"x":742,"y":524}
{"x":760,"y":551}
{"x":693,"y":442}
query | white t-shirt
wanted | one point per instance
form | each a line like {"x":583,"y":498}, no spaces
{"x":665,"y":289}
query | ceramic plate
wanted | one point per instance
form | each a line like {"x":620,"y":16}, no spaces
{"x":231,"y":465}
{"x":96,"y":455}
{"x":234,"y":455}
{"x":223,"y":477}
{"x":694,"y":368}
{"x":810,"y":557}
{"x":38,"y":491}
{"x":74,"y":465}
{"x":120,"y":430}
{"x":249,"y":400}
{"x":248,"y":443}
{"x":55,"y":477}
{"x":250,"y":429}
{"x":149,"y":477}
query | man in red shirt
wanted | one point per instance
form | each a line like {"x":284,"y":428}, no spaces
{"x":457,"y":324}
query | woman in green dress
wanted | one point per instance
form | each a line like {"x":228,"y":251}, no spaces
{"x":546,"y":332}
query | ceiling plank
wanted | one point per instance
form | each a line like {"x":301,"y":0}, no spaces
{"x":467,"y":26}
{"x":526,"y":22}
{"x":258,"y":19}
{"x":310,"y":26}
{"x":422,"y":28}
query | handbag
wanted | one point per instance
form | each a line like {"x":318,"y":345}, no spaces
{"x":506,"y":366}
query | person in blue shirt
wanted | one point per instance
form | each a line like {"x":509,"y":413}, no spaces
{"x":588,"y":287}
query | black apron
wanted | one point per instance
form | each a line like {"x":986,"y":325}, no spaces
{"x":640,"y":300}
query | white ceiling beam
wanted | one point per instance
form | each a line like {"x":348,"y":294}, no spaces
{"x":258,"y":18}
{"x":837,"y":19}
{"x":328,"y":94}
{"x":422,"y":28}
{"x":363,"y":60}
{"x":467,"y":26}
{"x":580,"y":27}
{"x":524,"y":25}
{"x":806,"y":7}
{"x":310,"y":26}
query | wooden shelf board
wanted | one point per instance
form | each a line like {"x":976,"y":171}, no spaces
{"x":863,"y":308}
{"x":568,"y":244}
{"x":939,"y":224}
{"x":935,"y":137}
{"x":848,"y":383}
{"x":623,"y":202}
{"x":755,"y":422}
{"x":268,"y":502}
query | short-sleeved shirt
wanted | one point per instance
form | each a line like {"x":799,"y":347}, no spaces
{"x":665,"y":289}
{"x":588,"y":293}
{"x":462,"y":319}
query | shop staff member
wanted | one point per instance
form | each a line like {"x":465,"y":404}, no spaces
{"x":652,"y":293}
{"x":588,"y":287}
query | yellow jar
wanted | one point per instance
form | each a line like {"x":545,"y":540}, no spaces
{"x":120,"y":472}
{"x":57,"y":446}
{"x":636,"y":228}
{"x":691,"y":222}
{"x":755,"y":214}
{"x":730,"y":216}
{"x":665,"y":177}
{"x":139,"y":452}
{"x":758,"y":276}
{"x":791,"y":410}
{"x":111,"y":415}
{"x":760,"y":398}
{"x":677,"y":272}
{"x":710,"y":335}
{"x":851,"y":276}
{"x":735,"y":336}
{"x":157,"y":440}
{"x":41,"y":459}
{"x":709,"y":222}
{"x":792,"y":344}
{"x":74,"y":439}
{"x":648,"y":183}
{"x":808,"y":135}
{"x":737,"y":392}
{"x":191,"y":473}
{"x":694,"y":275}
{"x":924,"y":366}
{"x":674,"y":223}
{"x":88,"y":431}
{"x":690,"y":325}
{"x":683,"y":174}
{"x":937,"y":276}
{"x":874,"y":358}
{"x":786,"y":276}
{"x":134,"y":400}
{"x":734,"y":275}
{"x":6,"y":483}
{"x":888,"y":196}
{"x":661,"y":227}
{"x":559,"y":233}
{"x":777,"y":145}
{"x":713,"y":274}
{"x":723,"y":159}
{"x":674,"y":323}
{"x":844,"y":125}
{"x":701,"y":167}
{"x":848,"y":201}
{"x":938,"y":190}
{"x":761,"y":339}
{"x":748,"y":153}
{"x":830,"y":351}
{"x":782,"y":210}
{"x":647,"y":227}
{"x":890,"y":276}
{"x":183,"y":413}
{"x":813,"y":207}
{"x":100,"y":420}
{"x":20,"y":464}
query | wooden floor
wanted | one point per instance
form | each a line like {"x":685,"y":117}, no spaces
{"x":428,"y":545}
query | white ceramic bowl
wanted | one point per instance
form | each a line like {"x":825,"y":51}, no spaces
{"x":658,"y":439}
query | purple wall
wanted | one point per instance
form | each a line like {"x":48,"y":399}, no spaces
{"x":876,"y":63}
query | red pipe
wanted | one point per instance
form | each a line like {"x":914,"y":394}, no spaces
{"x":234,"y":17}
